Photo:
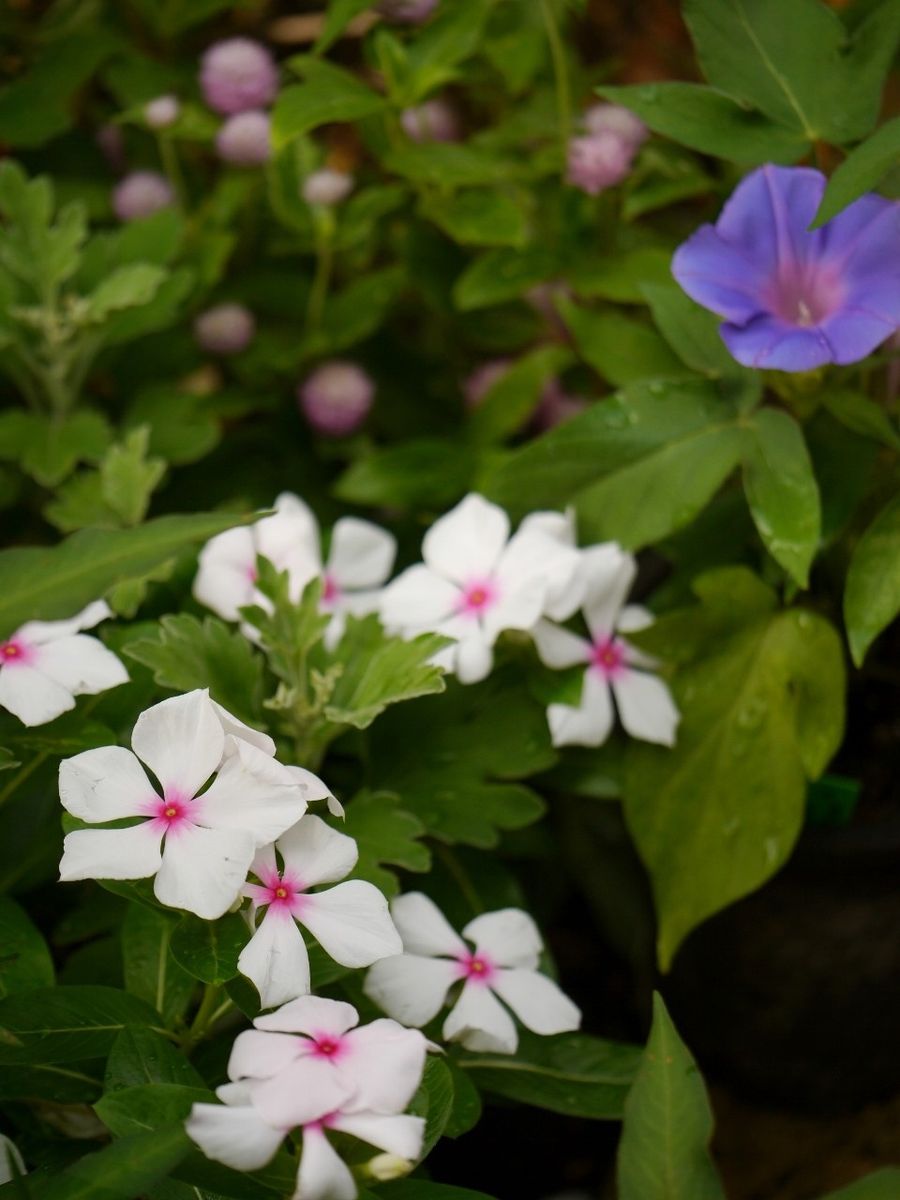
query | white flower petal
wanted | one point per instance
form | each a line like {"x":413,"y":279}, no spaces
{"x":401,"y":1135}
{"x":351,"y":923}
{"x":362,"y":554}
{"x":383,"y":1066}
{"x":323,"y":1174}
{"x":289,"y":539}
{"x":418,"y":599}
{"x":275,"y":959}
{"x":311,"y":785}
{"x":311,"y":1015}
{"x":236,"y":1136}
{"x":38,"y":632}
{"x":509,"y":937}
{"x":31,"y":696}
{"x":104,"y":785}
{"x":557,"y":525}
{"x":252,"y":792}
{"x":480,"y":1022}
{"x":467,"y":542}
{"x":535,"y":575}
{"x":258,"y":1055}
{"x":131,"y":853}
{"x":634,"y":617}
{"x":203,"y":870}
{"x":80,"y":664}
{"x":181,"y":740}
{"x":226,"y":574}
{"x":411,"y":988}
{"x":558,"y":648}
{"x":304,"y":1090}
{"x":474,"y":657}
{"x":316,"y":852}
{"x":589,"y":723}
{"x":609,"y":574}
{"x":244,"y":733}
{"x":536,"y":1000}
{"x":646,"y":707}
{"x":424,"y":928}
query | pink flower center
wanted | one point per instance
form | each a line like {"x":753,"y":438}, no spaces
{"x":608,"y":657}
{"x":805,"y":295}
{"x":14,"y":652}
{"x":477,"y":597}
{"x":476,"y":968}
{"x":170,"y":814}
{"x":331,"y":591}
{"x":251,"y":572}
{"x":328,"y":1045}
{"x":282,"y":891}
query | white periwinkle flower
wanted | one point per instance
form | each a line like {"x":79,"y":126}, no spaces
{"x":476,"y":581}
{"x":412,"y":987}
{"x":351,"y":921}
{"x":197,"y":841}
{"x":359,"y":561}
{"x":44,"y":665}
{"x":614,"y":669}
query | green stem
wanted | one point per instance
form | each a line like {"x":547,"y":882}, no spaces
{"x":322,"y":278}
{"x":205,"y":1016}
{"x":168,"y":156}
{"x":455,"y":867}
{"x":561,"y":73}
{"x":22,"y":776}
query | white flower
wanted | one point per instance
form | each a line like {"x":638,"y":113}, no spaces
{"x":46,"y":664}
{"x":351,"y":921}
{"x":359,"y":561}
{"x":412,"y":987}
{"x":476,"y":581}
{"x":614,"y":668}
{"x":197,"y":843}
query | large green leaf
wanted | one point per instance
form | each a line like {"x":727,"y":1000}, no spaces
{"x":140,"y":1057}
{"x":56,"y":581}
{"x":510,"y":401}
{"x":149,"y":1106}
{"x":25,"y":961}
{"x":620,"y":349}
{"x":881,"y":1185}
{"x":428,"y":472}
{"x":386,"y":834}
{"x":691,"y":331}
{"x":74,"y":1083}
{"x":872,"y":596}
{"x":127,"y":1168}
{"x":761,"y":693}
{"x":327,"y":94}
{"x":48,"y":448}
{"x":209,"y":950}
{"x":861,"y":171}
{"x":664,"y":1149}
{"x":151,"y":972}
{"x":479,"y":217}
{"x":65,"y":1024}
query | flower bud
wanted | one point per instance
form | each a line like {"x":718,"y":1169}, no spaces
{"x":336,"y":398}
{"x":433,"y":121}
{"x":327,"y":187}
{"x":111,"y":141}
{"x":482,"y":379}
{"x":162,"y":112}
{"x":225,"y":329}
{"x":406,"y":12}
{"x":598,"y":161}
{"x":613,"y":118}
{"x":238,"y":74}
{"x":244,"y":139}
{"x":141,"y":194}
{"x":384,"y":1167}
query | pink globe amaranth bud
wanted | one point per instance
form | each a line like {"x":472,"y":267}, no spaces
{"x":555,"y":406}
{"x":225,"y":329}
{"x":480,"y":381}
{"x":141,"y":194}
{"x":433,"y":121}
{"x":598,"y":161}
{"x":406,"y":12}
{"x":245,"y":139}
{"x":614,"y":118}
{"x":162,"y":112}
{"x":326,"y":187}
{"x":111,"y":141}
{"x":237,"y":75}
{"x":336,"y":398}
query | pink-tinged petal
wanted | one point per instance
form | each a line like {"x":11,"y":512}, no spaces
{"x":537,"y":1001}
{"x":39,"y":632}
{"x":423,"y":927}
{"x":418,"y":598}
{"x":80,"y":664}
{"x":401,"y":1135}
{"x":383,"y":1065}
{"x":305,"y":1090}
{"x":237,"y":1137}
{"x":480,"y":1022}
{"x":182,"y":741}
{"x":773,"y":344}
{"x":203,"y":870}
{"x":131,"y":853}
{"x":361,"y":555}
{"x":609,"y":575}
{"x":311,"y":1015}
{"x":411,"y":988}
{"x":591,"y":722}
{"x":236,"y":729}
{"x":646,"y":707}
{"x":31,"y":696}
{"x":257,"y":1055}
{"x":316,"y":853}
{"x":227,"y":572}
{"x":323,"y":1174}
{"x":558,"y":648}
{"x":467,"y":542}
{"x":105,"y":784}
{"x":351,"y":923}
{"x":254,"y":793}
{"x":264,"y":863}
{"x":508,"y":937}
{"x":275,"y":959}
{"x":473,"y":657}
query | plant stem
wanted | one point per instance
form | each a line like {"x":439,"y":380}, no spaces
{"x":456,"y":869}
{"x":561,"y":73}
{"x":168,"y":156}
{"x":322,"y":278}
{"x":22,"y":776}
{"x":206,"y":1014}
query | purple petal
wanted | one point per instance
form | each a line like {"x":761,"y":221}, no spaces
{"x":770,"y":343}
{"x":718,"y":276}
{"x":854,"y":333}
{"x":768,"y":215}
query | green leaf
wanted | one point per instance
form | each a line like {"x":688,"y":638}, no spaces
{"x":209,"y":950}
{"x":158,"y":313}
{"x":128,"y":477}
{"x":619,"y":348}
{"x":49,"y":582}
{"x":452,"y":36}
{"x":48,"y":448}
{"x":66,"y":1024}
{"x":426,"y":473}
{"x":126,"y":1168}
{"x":151,"y":972}
{"x":183,"y":427}
{"x":351,"y":315}
{"x":291,"y":629}
{"x":479,"y":217}
{"x":709,"y":121}
{"x":337,"y":17}
{"x":761,"y":694}
{"x":25,"y":961}
{"x":872,"y":593}
{"x":185,"y":652}
{"x":378,"y":671}
{"x":386,"y":834}
{"x":328,"y":94}
{"x":880,"y":1185}
{"x":451,"y":164}
{"x":570,"y":1073}
{"x":509,"y":402}
{"x":433,"y":1101}
{"x":864,"y":416}
{"x":622,"y":277}
{"x":77,"y":1083}
{"x":126,"y":287}
{"x":139,"y":1057}
{"x":664,"y":1149}
{"x":501,"y":275}
{"x":691,"y":331}
{"x":154,"y":239}
{"x":781,"y":490}
{"x":150,"y":1106}
{"x":861,"y":171}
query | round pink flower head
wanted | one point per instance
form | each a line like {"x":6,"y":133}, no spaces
{"x":599,"y":161}
{"x":238,"y":74}
{"x":433,"y":121}
{"x":614,"y":118}
{"x":225,"y":329}
{"x":327,"y":187}
{"x":111,"y":141}
{"x":141,"y":194}
{"x":162,"y":112}
{"x":407,"y":12}
{"x":336,"y":398}
{"x":244,"y":139}
{"x":480,"y":381}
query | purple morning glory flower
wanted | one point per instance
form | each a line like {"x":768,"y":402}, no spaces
{"x":792,"y":298}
